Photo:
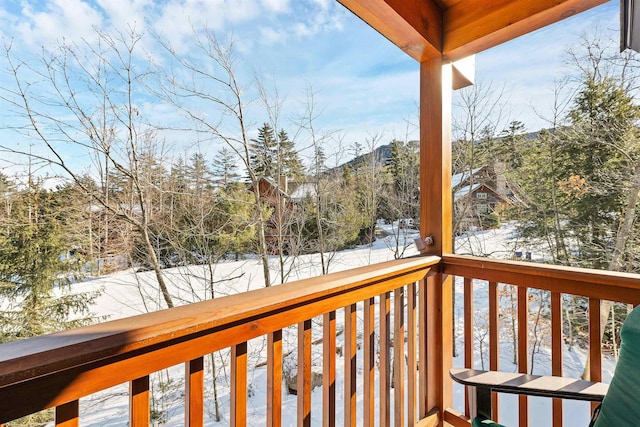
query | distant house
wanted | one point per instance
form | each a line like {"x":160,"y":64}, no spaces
{"x":477,"y":194}
{"x":284,"y":199}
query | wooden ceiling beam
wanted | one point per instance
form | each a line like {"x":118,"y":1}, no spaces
{"x":471,"y":26}
{"x":413,"y":26}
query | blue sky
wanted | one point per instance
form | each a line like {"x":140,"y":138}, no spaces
{"x":365,"y":88}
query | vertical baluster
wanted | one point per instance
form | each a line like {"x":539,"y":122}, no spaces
{"x":239,"y":385}
{"x":493,"y":341}
{"x":67,"y":414}
{"x":304,"y":373}
{"x":385,"y":341}
{"x":595,"y":346}
{"x":194,"y":392}
{"x":369,"y":338}
{"x":422,"y":348}
{"x":523,"y":351}
{"x":468,"y":334}
{"x":398,"y":356}
{"x":556,"y":351}
{"x":274,"y":379}
{"x":139,"y":402}
{"x":350,"y":365}
{"x":412,"y":373}
{"x":329,"y":369}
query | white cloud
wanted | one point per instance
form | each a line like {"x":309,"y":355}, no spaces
{"x":278,"y":6}
{"x":301,"y":29}
{"x":68,"y":19}
{"x":270,"y":35}
{"x":312,"y":18}
{"x":176,"y":18}
{"x":124,"y":13}
{"x":324,"y":4}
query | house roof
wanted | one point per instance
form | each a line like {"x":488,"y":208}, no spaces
{"x":271,"y":184}
{"x":467,"y":190}
{"x":459,"y":178}
{"x":301,"y":190}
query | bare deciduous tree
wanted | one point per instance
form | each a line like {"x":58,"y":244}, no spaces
{"x":213,"y":97}
{"x":79,"y":102}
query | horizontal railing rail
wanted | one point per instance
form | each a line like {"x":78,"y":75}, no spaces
{"x":56,"y":370}
{"x":595,"y":285}
{"x":602,"y":284}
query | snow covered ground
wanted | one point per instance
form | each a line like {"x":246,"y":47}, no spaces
{"x":127,"y":293}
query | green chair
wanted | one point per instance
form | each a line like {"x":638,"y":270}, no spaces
{"x":620,"y":400}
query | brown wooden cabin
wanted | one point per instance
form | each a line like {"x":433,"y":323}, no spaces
{"x":479,"y":192}
{"x":284,"y":200}
{"x":281,"y":208}
{"x":58,"y":370}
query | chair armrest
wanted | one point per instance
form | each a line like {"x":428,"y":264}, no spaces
{"x":532,"y":385}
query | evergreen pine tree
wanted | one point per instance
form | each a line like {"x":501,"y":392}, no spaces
{"x":224,"y":168}
{"x":290,"y":164}
{"x":198,"y":174}
{"x":597,"y":151}
{"x":36,"y":269}
{"x":509,"y":148}
{"x":404,"y":168}
{"x":264,"y":153}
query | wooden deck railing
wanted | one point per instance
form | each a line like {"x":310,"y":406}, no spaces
{"x":391,"y":299}
{"x":596,"y":285}
{"x":57,"y":370}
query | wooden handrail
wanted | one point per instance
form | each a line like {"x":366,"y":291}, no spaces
{"x":601,"y":284}
{"x":51,"y":370}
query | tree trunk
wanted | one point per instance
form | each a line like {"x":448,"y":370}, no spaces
{"x":262,"y":240}
{"x":153,"y":259}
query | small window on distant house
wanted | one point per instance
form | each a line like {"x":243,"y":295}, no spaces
{"x":482,"y":208}
{"x":482,"y":196}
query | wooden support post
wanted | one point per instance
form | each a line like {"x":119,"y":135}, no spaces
{"x":436,"y":221}
{"x":435,"y":156}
